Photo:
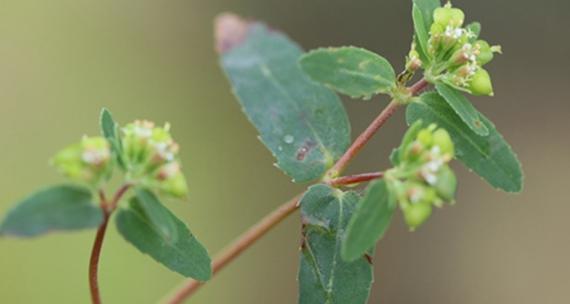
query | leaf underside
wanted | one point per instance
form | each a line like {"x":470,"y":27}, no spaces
{"x":182,"y":254}
{"x":57,"y":208}
{"x":302,"y":123}
{"x":490,"y":156}
{"x":324,"y":277}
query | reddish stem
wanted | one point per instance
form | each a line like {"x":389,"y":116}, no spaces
{"x":244,"y":241}
{"x":365,"y":136}
{"x":355,"y":179}
{"x":108,"y":208}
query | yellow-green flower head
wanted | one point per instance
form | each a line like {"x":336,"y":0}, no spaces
{"x":151,"y":157}
{"x":88,"y":161}
{"x":147,"y":146}
{"x":423,"y":178}
{"x":170,"y":180}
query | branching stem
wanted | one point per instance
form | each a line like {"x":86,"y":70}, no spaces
{"x":108,"y":207}
{"x":244,"y":241}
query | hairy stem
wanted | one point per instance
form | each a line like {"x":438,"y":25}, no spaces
{"x":108,"y":208}
{"x":189,"y":287}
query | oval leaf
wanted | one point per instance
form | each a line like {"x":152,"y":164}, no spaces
{"x":183,"y":254}
{"x":422,"y":15}
{"x":110,"y":130}
{"x":490,"y":157}
{"x":463,"y":107}
{"x":324,"y":277}
{"x":158,"y":216}
{"x":370,"y":221}
{"x":303,"y":123}
{"x":349,"y":70}
{"x":58,"y":208}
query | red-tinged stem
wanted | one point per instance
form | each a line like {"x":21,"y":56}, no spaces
{"x":189,"y":287}
{"x":243,"y":242}
{"x":107,"y":208}
{"x":365,"y":136}
{"x":355,"y":179}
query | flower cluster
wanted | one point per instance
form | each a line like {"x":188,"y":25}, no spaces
{"x":457,"y":57}
{"x":151,"y":157}
{"x":423,"y":178}
{"x":88,"y":161}
{"x":147,"y":153}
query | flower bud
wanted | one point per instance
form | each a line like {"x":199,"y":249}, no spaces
{"x":446,"y":184}
{"x":480,"y":84}
{"x":416,"y":214}
{"x":171,"y":181}
{"x":413,"y":62}
{"x":486,"y":52}
{"x":88,"y":161}
{"x":448,"y":16}
{"x":436,"y":29}
{"x":442,"y":139}
{"x":425,"y":137}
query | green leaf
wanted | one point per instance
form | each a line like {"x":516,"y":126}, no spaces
{"x":370,"y":221}
{"x":303,"y":123}
{"x":349,"y":70}
{"x":475,"y":28}
{"x":183,"y":254}
{"x":421,"y":34}
{"x":491,"y":157}
{"x":57,"y":208}
{"x":158,"y":216}
{"x":463,"y":107}
{"x":422,"y":14}
{"x":324,"y":277}
{"x":110,"y":130}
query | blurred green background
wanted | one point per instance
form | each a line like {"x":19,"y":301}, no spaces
{"x":62,"y":60}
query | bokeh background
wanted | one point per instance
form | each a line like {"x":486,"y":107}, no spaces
{"x":62,"y":60}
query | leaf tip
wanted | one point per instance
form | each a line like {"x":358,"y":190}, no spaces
{"x":229,"y":30}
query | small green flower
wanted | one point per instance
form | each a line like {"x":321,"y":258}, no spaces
{"x":423,"y":178}
{"x":455,"y":58}
{"x":151,"y":157}
{"x":88,"y":161}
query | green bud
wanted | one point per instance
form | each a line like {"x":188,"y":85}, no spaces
{"x":448,"y":16}
{"x":442,"y":139}
{"x":425,"y":137}
{"x":88,"y":161}
{"x":480,"y":84}
{"x":416,"y":214}
{"x":486,"y":52}
{"x":436,"y":29}
{"x":413,"y":62}
{"x":446,"y":184}
{"x":170,"y":180}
